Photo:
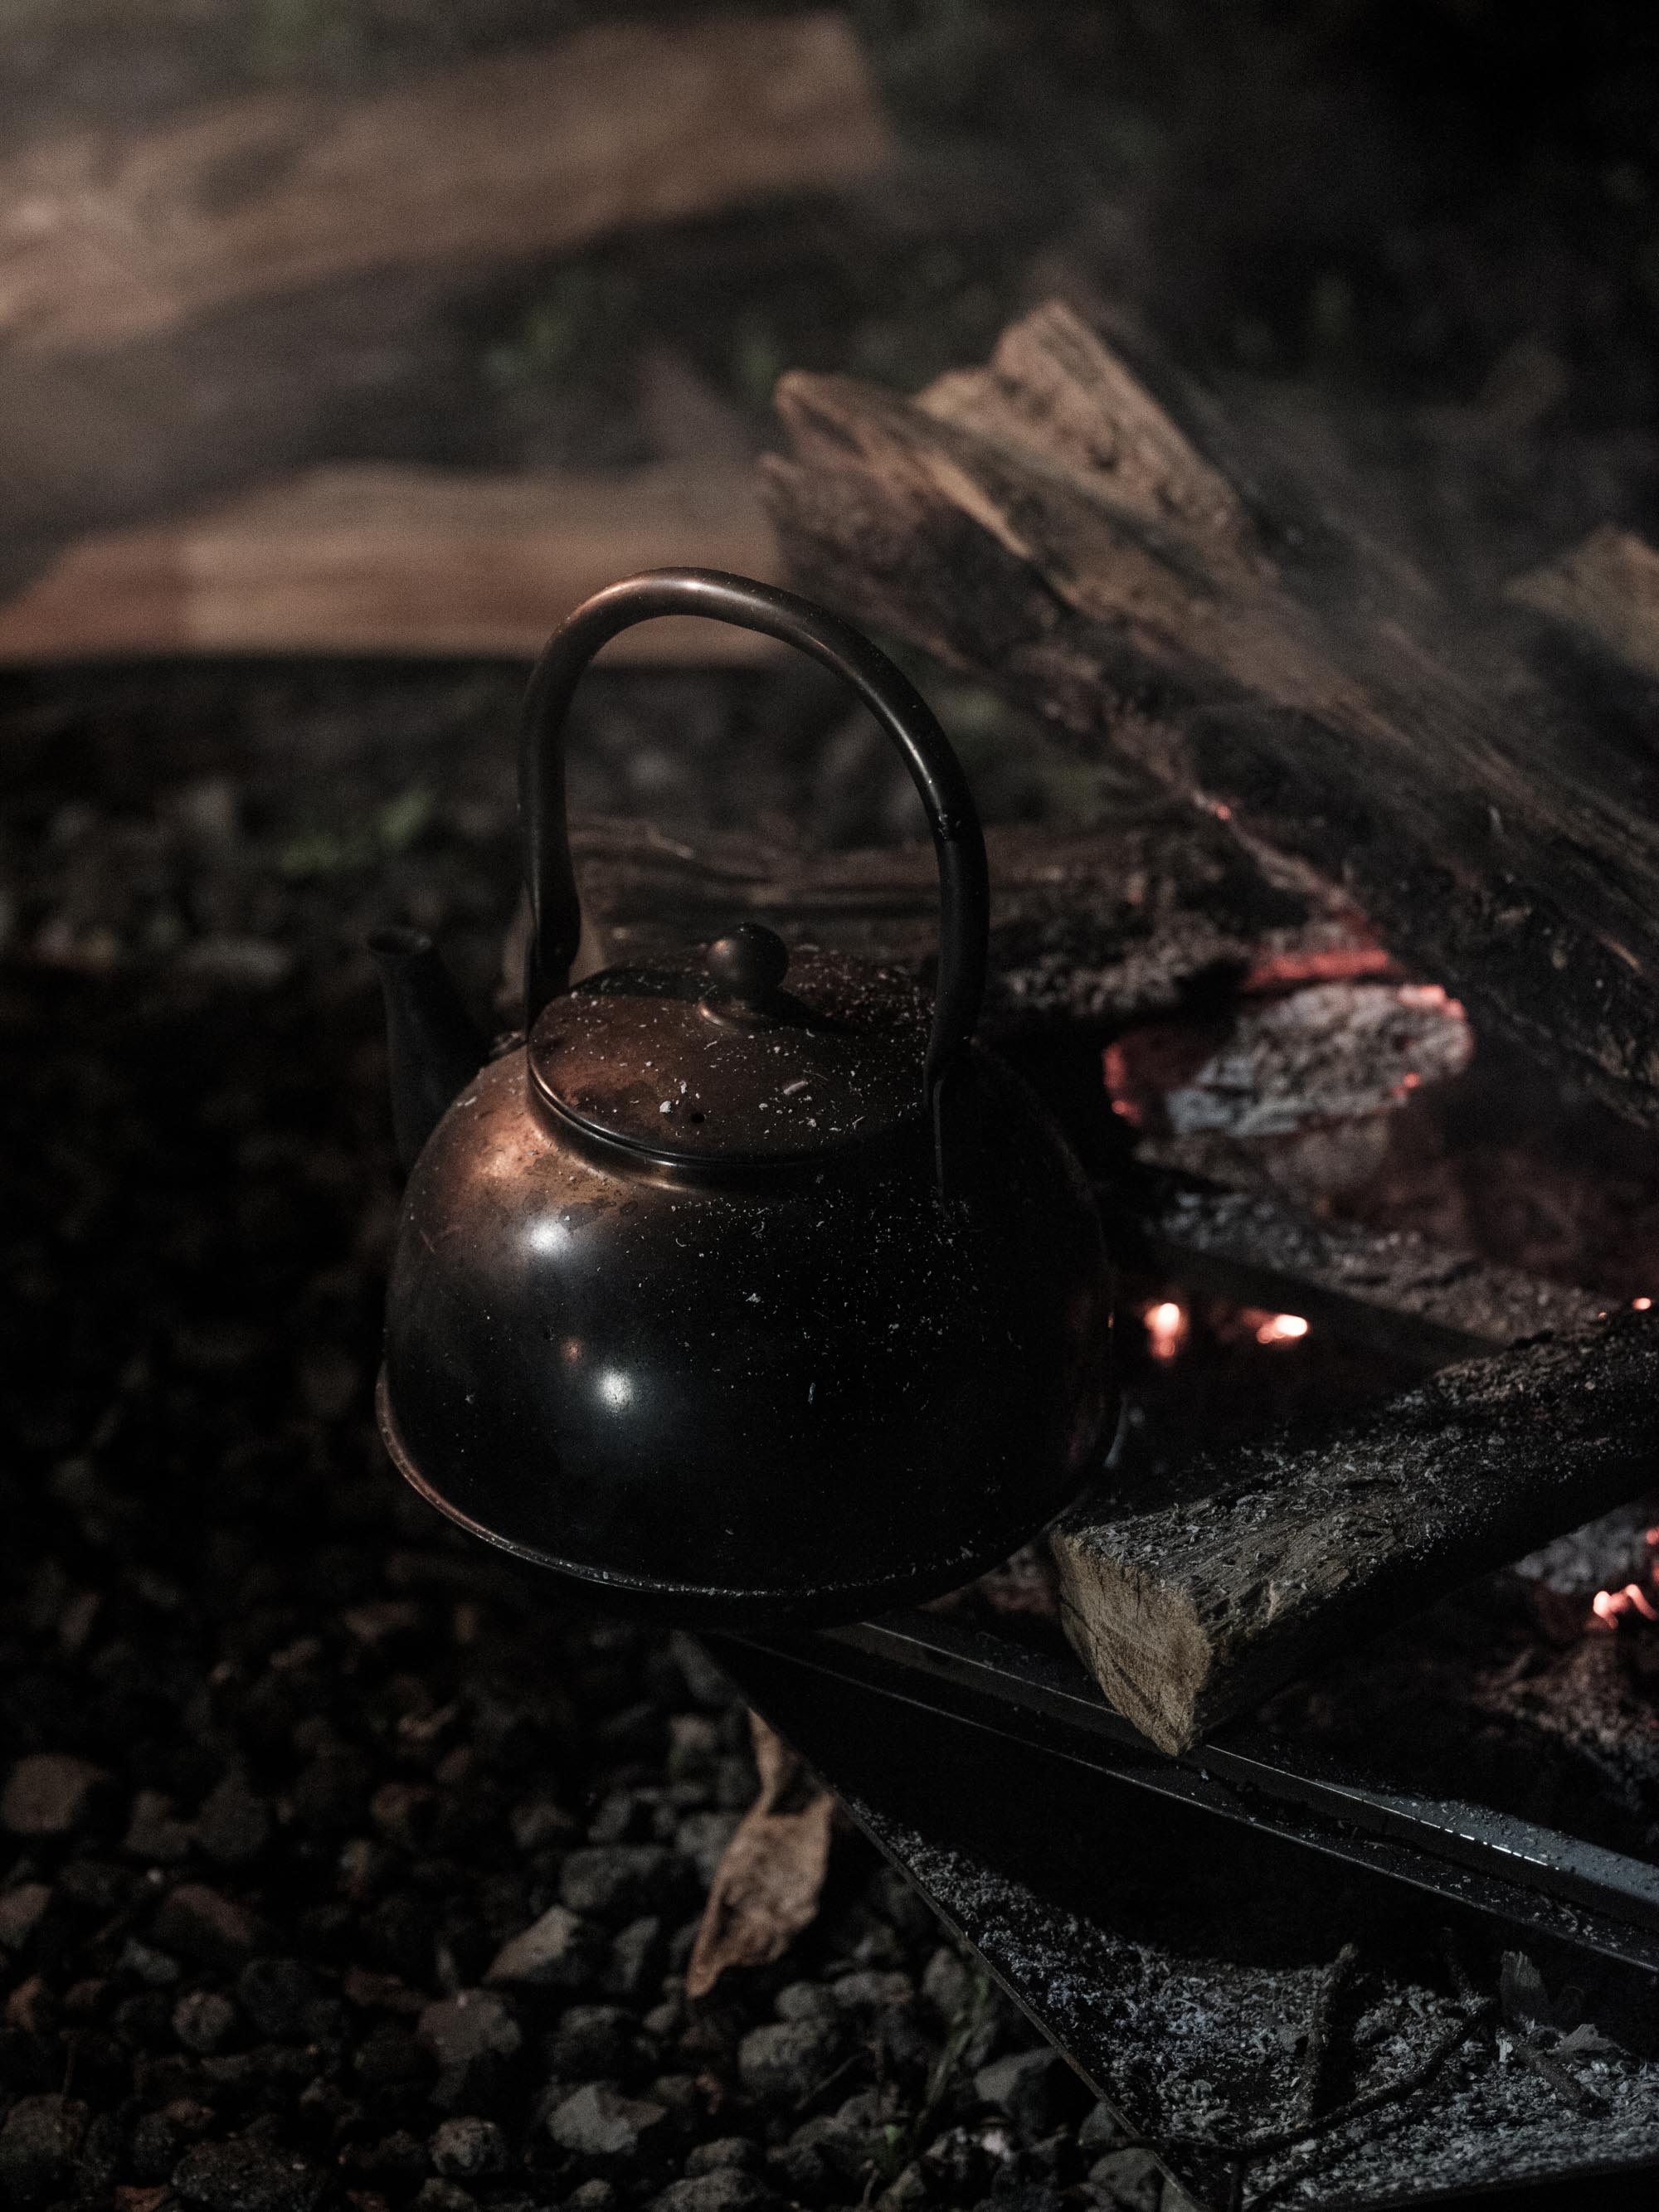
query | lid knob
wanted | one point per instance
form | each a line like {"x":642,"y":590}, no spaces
{"x":747,"y":966}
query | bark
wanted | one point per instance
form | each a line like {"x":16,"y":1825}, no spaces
{"x":1088,"y":931}
{"x":1189,"y":1609}
{"x":1219,"y":593}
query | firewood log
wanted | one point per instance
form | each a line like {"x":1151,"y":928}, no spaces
{"x":241,"y":291}
{"x":376,"y":559}
{"x":1089,"y":929}
{"x":1191,"y":1608}
{"x":1218,"y":594}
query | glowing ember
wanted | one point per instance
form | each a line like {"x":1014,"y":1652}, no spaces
{"x":1166,"y":1328}
{"x":1608,"y":1605}
{"x":1641,"y":1305}
{"x":1282,"y":1329}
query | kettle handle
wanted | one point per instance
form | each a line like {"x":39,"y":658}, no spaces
{"x":959,"y":842}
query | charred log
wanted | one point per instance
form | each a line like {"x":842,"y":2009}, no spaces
{"x":1222,"y":595}
{"x":1189,"y":1609}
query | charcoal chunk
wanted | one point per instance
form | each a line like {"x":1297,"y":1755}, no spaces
{"x":471,"y":2035}
{"x":723,"y":2191}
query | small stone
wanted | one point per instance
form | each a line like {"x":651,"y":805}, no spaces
{"x":946,"y":1984}
{"x":21,"y":1911}
{"x":154,"y":1832}
{"x":787,"y":2060}
{"x":233,"y":1824}
{"x":157,"y":1970}
{"x":694,"y":1745}
{"x":538,"y":1823}
{"x":723,"y":2191}
{"x":439,"y":2196}
{"x":204,"y":2021}
{"x":469,"y":2150}
{"x":559,"y":1951}
{"x":1026,"y":2087}
{"x":633,"y":1959}
{"x":595,"y":2196}
{"x":804,"y":2001}
{"x":588,"y":2043}
{"x":198,"y":1923}
{"x":906,"y":2193}
{"x":599,"y":2123}
{"x":471,"y":2035}
{"x":800,"y":2171}
{"x":733,"y":2154}
{"x":50,"y":1793}
{"x":277,"y":1995}
{"x":702,"y":1838}
{"x":37,"y":2147}
{"x":871,"y":1990}
{"x":1127,"y":2181}
{"x":617,"y":1881}
{"x":248,"y":2176}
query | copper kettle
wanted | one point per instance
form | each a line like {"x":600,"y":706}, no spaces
{"x":743,"y":1286}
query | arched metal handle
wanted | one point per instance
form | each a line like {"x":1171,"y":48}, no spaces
{"x":554,"y":909}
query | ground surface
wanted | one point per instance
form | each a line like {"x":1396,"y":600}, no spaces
{"x":296,"y":1761}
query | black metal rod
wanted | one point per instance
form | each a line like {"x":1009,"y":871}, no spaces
{"x":952,"y":816}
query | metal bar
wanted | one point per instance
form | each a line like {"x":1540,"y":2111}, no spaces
{"x":1599,"y":1899}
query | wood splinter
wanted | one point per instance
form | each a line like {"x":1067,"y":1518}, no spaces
{"x":1190,"y":1608}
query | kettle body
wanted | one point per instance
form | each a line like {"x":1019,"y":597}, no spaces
{"x":742,"y":1288}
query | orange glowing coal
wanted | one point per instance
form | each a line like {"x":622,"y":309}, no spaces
{"x":1281,"y":1328}
{"x":1166,"y":1327}
{"x":1611,"y":1606}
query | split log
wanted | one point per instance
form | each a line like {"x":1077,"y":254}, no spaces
{"x":1088,"y":931}
{"x":384,"y":560}
{"x":254,"y":287}
{"x":1607,"y":591}
{"x":1191,"y":1608}
{"x":1222,"y":595}
{"x":1390,"y":1290}
{"x":109,"y":236}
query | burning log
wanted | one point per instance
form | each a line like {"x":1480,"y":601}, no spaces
{"x":1190,"y":1608}
{"x":1391,"y":1290}
{"x":1222,"y":595}
{"x":1089,"y":930}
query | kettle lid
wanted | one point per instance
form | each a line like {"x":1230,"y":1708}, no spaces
{"x":743,"y":1051}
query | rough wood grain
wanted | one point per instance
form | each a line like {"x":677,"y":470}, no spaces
{"x":109,"y":236}
{"x":1219,"y":593}
{"x":384,"y":560}
{"x":1189,"y":1609}
{"x":1390,"y":1290}
{"x":1606,"y":590}
{"x":1089,"y":929}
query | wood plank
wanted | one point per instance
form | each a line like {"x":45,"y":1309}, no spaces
{"x":1192,"y":1607}
{"x":108,"y":236}
{"x":1217,"y":594}
{"x":376,"y":559}
{"x":1605,"y":590}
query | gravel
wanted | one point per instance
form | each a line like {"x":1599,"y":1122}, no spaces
{"x":367,"y":1868}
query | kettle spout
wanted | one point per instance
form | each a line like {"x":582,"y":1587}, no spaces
{"x":435,"y":1048}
